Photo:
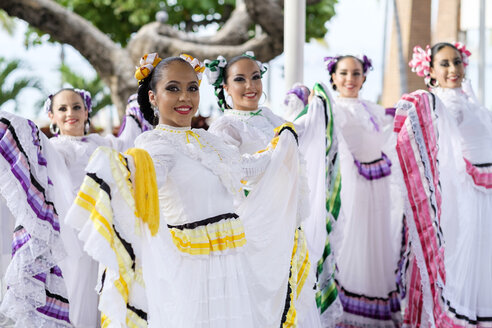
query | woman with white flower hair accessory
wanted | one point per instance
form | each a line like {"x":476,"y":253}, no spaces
{"x":51,"y":281}
{"x":248,"y":125}
{"x":171,"y":234}
{"x":444,"y":147}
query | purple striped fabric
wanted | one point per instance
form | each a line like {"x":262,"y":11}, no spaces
{"x":133,"y":110}
{"x":56,"y":306}
{"x":20,"y":238}
{"x":13,"y":153}
{"x":374,"y":170}
{"x":56,"y":271}
{"x":35,"y":138}
{"x":370,"y":307}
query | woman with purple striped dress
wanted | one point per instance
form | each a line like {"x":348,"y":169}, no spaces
{"x":50,"y":279}
{"x":366,"y":235}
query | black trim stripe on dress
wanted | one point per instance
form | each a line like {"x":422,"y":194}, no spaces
{"x":287,"y":299}
{"x":136,"y":120}
{"x":56,"y":296}
{"x":142,"y":314}
{"x":103,"y":280}
{"x":128,"y":247}
{"x":372,"y":298}
{"x":32,"y":179}
{"x":464,"y":317}
{"x":483,"y":165}
{"x":128,"y":169}
{"x":214,"y":219}
{"x":371,"y":162}
{"x":103,"y":185}
{"x":291,"y":130}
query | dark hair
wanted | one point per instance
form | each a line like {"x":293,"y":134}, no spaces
{"x":334,"y":68}
{"x":219,"y":90}
{"x":434,"y":50}
{"x":149,"y":83}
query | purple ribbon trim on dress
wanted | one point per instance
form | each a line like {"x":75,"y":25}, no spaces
{"x":370,"y":307}
{"x":374,"y":170}
{"x":391,"y":111}
{"x":373,"y":121}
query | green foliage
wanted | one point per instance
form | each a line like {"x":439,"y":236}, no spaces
{"x":7,"y":23}
{"x":7,"y":93}
{"x":101,"y":96}
{"x":316,"y":17}
{"x":119,"y":19}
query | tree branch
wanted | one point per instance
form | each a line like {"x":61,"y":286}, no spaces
{"x":234,"y":31}
{"x":269,"y":15}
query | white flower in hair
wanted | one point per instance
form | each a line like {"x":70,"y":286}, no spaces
{"x":263,"y":67}
{"x":215,"y":70}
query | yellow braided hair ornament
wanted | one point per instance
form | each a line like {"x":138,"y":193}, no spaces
{"x":147,"y":64}
{"x":197,"y":65}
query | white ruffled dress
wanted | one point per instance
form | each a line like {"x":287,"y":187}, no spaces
{"x":368,"y":230}
{"x":251,"y":131}
{"x":443,"y":144}
{"x":466,"y":221}
{"x":210,"y":264}
{"x":51,"y":280}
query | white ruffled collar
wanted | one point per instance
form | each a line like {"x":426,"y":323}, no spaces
{"x":169,"y":128}
{"x":449,"y":92}
{"x":72,"y":138}
{"x":349,"y":100}
{"x":223,"y":160}
{"x":243,"y":114}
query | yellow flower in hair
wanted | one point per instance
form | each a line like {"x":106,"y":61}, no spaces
{"x":197,"y":65}
{"x":147,"y":64}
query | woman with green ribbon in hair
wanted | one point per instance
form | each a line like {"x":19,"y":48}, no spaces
{"x":248,"y":125}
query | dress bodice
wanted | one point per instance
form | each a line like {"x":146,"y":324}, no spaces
{"x":194,"y":169}
{"x":250,"y":131}
{"x":364,"y":127}
{"x":474,"y":124}
{"x":76,"y":151}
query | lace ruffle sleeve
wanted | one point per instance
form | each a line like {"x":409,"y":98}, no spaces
{"x":36,"y":294}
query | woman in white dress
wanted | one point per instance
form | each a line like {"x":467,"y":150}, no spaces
{"x":249,"y":126}
{"x":448,"y":135}
{"x":50,"y":280}
{"x":367,"y":227}
{"x":178,"y":252}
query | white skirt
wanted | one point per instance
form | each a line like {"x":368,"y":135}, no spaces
{"x":468,"y":287}
{"x":367,"y":250}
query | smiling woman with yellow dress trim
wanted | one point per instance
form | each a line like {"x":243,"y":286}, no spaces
{"x":176,"y":249}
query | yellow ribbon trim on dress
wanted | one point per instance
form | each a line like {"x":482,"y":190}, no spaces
{"x":194,"y":135}
{"x":299,"y":270}
{"x":285,"y":125}
{"x":274,"y":141}
{"x":145,"y":189}
{"x":213,"y":237}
